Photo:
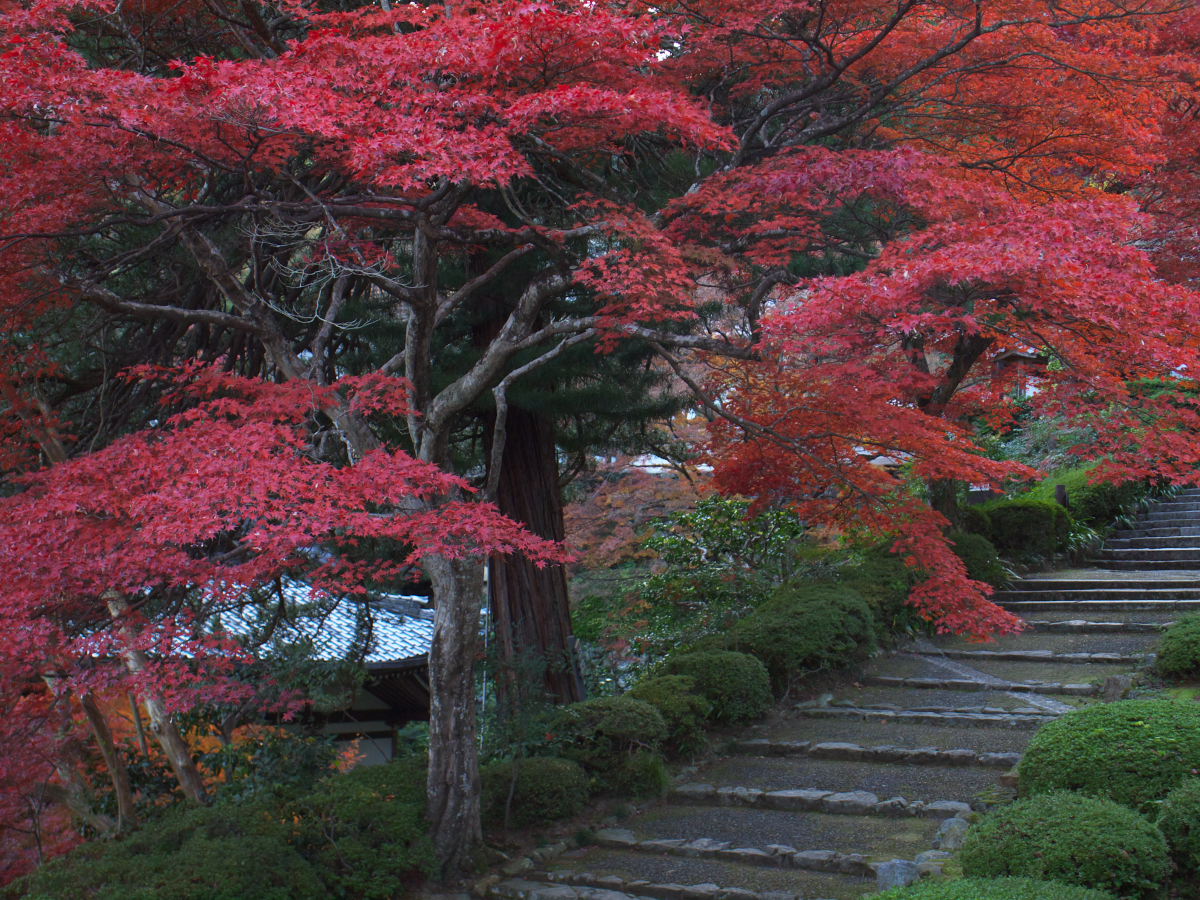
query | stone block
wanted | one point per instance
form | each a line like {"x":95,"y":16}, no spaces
{"x":836,"y":750}
{"x":799,"y":799}
{"x":896,"y":873}
{"x":951,"y":834}
{"x":850,"y":802}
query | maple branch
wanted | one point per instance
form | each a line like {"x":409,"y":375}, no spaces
{"x":93,"y":293}
{"x":500,"y":393}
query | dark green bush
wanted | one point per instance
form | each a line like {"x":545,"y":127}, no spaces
{"x":604,"y":733}
{"x":644,"y":774}
{"x":1179,"y":821}
{"x":979,"y":556}
{"x":736,"y":684}
{"x":221,"y":853}
{"x":1072,"y":838}
{"x":1027,"y":527}
{"x":1095,"y":504}
{"x":365,"y":831}
{"x":683,"y":710}
{"x":1179,"y":649}
{"x":1131,"y":751}
{"x":807,"y":626}
{"x":542,"y":789}
{"x":975,"y":520}
{"x":993,"y":889}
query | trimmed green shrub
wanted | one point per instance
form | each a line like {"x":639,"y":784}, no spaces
{"x":736,"y":684}
{"x":644,"y":774}
{"x":1094,"y":504}
{"x":1027,"y":527}
{"x":219,"y":853}
{"x":979,"y":556}
{"x":806,"y":626}
{"x":1179,"y":649}
{"x":1072,"y":838}
{"x":976,"y":520}
{"x":542,"y":789}
{"x":683,"y":710}
{"x":1131,"y":751}
{"x":602,"y":734}
{"x":993,"y":889}
{"x":365,"y":831}
{"x":1179,"y":821}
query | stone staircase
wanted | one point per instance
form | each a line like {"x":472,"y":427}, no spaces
{"x":871,"y":785}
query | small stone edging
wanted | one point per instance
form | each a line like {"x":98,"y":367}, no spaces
{"x":1039,"y":656}
{"x":1084,"y":626}
{"x":887,"y":753}
{"x":939,"y":716}
{"x":847,"y":803}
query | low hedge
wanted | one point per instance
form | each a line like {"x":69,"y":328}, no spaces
{"x":807,"y":626}
{"x":884,"y":581}
{"x":1179,"y":649}
{"x":1026,"y":527}
{"x":1072,"y":838}
{"x":1132,"y":751}
{"x":531,"y":791}
{"x":683,"y":710}
{"x":604,"y":734}
{"x":980,"y":557}
{"x":736,"y":684}
{"x":1094,"y":503}
{"x":1179,"y":821}
{"x":993,"y":889}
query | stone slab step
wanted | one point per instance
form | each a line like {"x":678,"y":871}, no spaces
{"x":1151,"y":530}
{"x":776,"y":837}
{"x":1101,"y":607}
{"x":961,"y":684}
{"x":1186,"y":504}
{"x":986,"y":702}
{"x":945,"y":716}
{"x":890,"y":732}
{"x":1044,"y":626}
{"x":927,"y":784}
{"x":1151,"y":542}
{"x":1165,"y":517}
{"x":1130,"y":643}
{"x":884,"y":753}
{"x":1142,"y":565}
{"x":1151,"y":554}
{"x":1001,"y":674}
{"x":1041,"y":655}
{"x":667,"y":877}
{"x":1101,"y":594}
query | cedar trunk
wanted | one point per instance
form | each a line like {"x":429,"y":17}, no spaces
{"x":453,"y":785}
{"x":530,"y":607}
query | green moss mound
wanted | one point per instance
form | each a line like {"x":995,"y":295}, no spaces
{"x":1071,"y":838}
{"x":736,"y":684}
{"x":980,"y":557}
{"x":683,"y":710}
{"x":604,"y":734}
{"x":1179,"y":821}
{"x":1133,"y":751}
{"x":1179,"y":649}
{"x":532,"y":791}
{"x":1026,"y":528}
{"x":807,"y":626}
{"x":993,"y":889}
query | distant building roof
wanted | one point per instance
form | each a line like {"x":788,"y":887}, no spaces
{"x":386,"y":628}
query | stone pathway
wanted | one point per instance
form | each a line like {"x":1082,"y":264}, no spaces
{"x":832,"y":798}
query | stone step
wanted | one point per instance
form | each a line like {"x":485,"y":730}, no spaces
{"x":883,"y":753}
{"x":527,"y":889}
{"x":985,"y":702}
{"x":927,"y":784}
{"x":1033,"y":641}
{"x":1046,"y":656}
{"x":1090,"y":608}
{"x":1182,"y":504}
{"x":1152,"y":543}
{"x":1049,"y":688}
{"x":937,"y":716}
{"x":667,"y":877}
{"x":797,"y":728}
{"x":1088,"y":595}
{"x":1049,"y":626}
{"x":1165,"y":517}
{"x":777,"y":837}
{"x":1152,"y":554}
{"x":1148,"y":530}
{"x":987,"y":676}
{"x":1143,"y":565}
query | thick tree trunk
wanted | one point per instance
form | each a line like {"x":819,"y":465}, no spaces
{"x":943,"y":497}
{"x":530,"y":608}
{"x":162,"y":726}
{"x":453,"y":785}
